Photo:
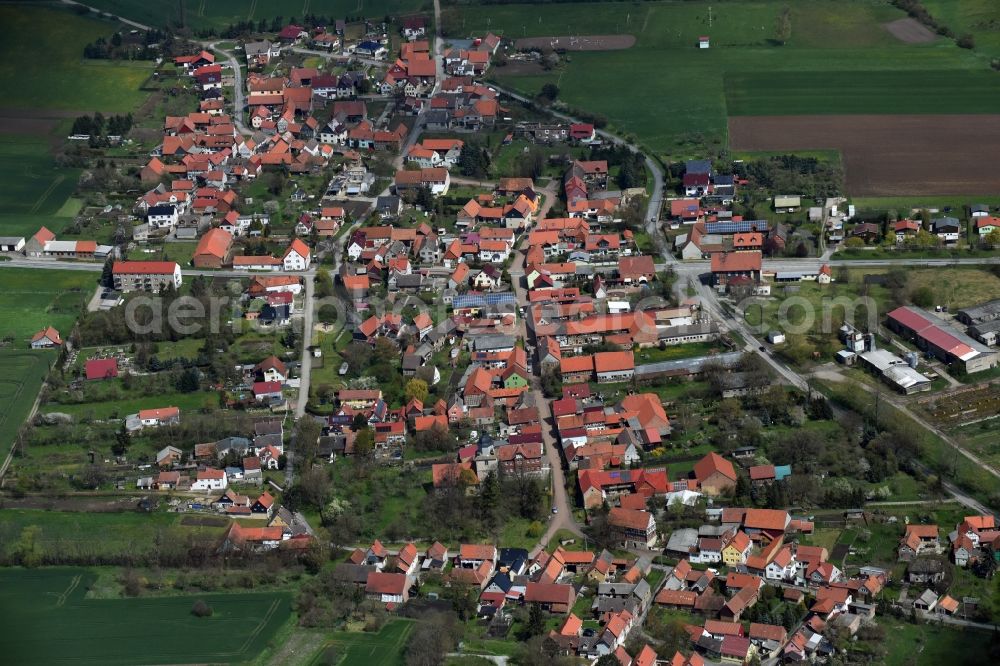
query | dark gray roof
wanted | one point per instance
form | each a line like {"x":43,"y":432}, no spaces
{"x":698,"y":166}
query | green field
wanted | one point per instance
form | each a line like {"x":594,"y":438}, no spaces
{"x":56,"y":76}
{"x":32,"y":299}
{"x":49,"y":621}
{"x":21,"y":376}
{"x":120,"y":408}
{"x":204,"y":14}
{"x":82,"y":535}
{"x":839,"y":59}
{"x":980,"y":18}
{"x":41,"y":93}
{"x":35,"y":189}
{"x":382,"y":649}
{"x":930,"y":645}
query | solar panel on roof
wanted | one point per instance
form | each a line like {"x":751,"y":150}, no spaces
{"x":473,"y":300}
{"x":735,"y":227}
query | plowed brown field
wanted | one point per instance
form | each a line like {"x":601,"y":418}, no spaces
{"x":888,"y":155}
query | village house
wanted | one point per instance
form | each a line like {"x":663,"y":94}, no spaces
{"x":214,"y":250}
{"x":633,"y":528}
{"x":146,"y":275}
{"x":46,"y":338}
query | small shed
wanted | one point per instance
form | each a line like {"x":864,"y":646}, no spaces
{"x":703,"y":42}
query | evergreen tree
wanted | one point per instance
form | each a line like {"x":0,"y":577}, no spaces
{"x":536,"y":621}
{"x":122,"y":441}
{"x":107,"y":277}
{"x":488,"y":502}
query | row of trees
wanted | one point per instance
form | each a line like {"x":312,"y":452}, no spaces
{"x":98,"y":125}
{"x":116,"y":49}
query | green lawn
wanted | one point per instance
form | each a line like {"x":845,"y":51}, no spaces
{"x":55,"y":623}
{"x":928,"y":645}
{"x":382,"y":649}
{"x":839,"y":59}
{"x":823,"y":537}
{"x":56,"y":76}
{"x":128,"y":405}
{"x":179,"y":252}
{"x":903,"y":205}
{"x":84,"y":534}
{"x":674,"y":352}
{"x":32,"y":299}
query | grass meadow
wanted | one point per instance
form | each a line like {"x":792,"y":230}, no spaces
{"x":980,"y":18}
{"x":382,"y":649}
{"x":21,"y":376}
{"x":675,"y":97}
{"x":49,"y":621}
{"x":205,"y":14}
{"x":35,"y":188}
{"x":32,"y":299}
{"x":41,"y":93}
{"x":56,"y":76}
{"x":99,"y":535}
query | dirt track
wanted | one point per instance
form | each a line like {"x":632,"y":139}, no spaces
{"x":888,"y":155}
{"x":586,"y":43}
{"x":910,"y":31}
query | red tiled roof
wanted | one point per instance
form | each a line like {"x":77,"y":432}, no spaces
{"x":711,"y":464}
{"x":549,"y":593}
{"x":386,"y":583}
{"x":143,"y":267}
{"x":630,"y":518}
{"x":613,"y":361}
{"x":215,"y":243}
{"x":101,"y":368}
{"x":721,"y":628}
{"x":736,"y":262}
{"x":159,"y":413}
{"x":765,"y":519}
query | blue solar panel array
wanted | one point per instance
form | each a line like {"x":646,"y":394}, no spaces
{"x":740,"y":227}
{"x":480,"y":300}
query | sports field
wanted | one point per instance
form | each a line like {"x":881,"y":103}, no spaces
{"x":203,"y":14}
{"x":674,"y":97}
{"x":32,"y":299}
{"x":48,"y":620}
{"x":382,"y":649}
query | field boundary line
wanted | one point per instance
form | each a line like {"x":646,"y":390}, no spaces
{"x":31,"y":414}
{"x":260,"y":626}
{"x":45,"y":195}
{"x":69,"y":590}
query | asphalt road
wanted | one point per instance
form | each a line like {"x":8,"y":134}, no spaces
{"x":305,"y":370}
{"x":239,"y":100}
{"x":563,"y":518}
